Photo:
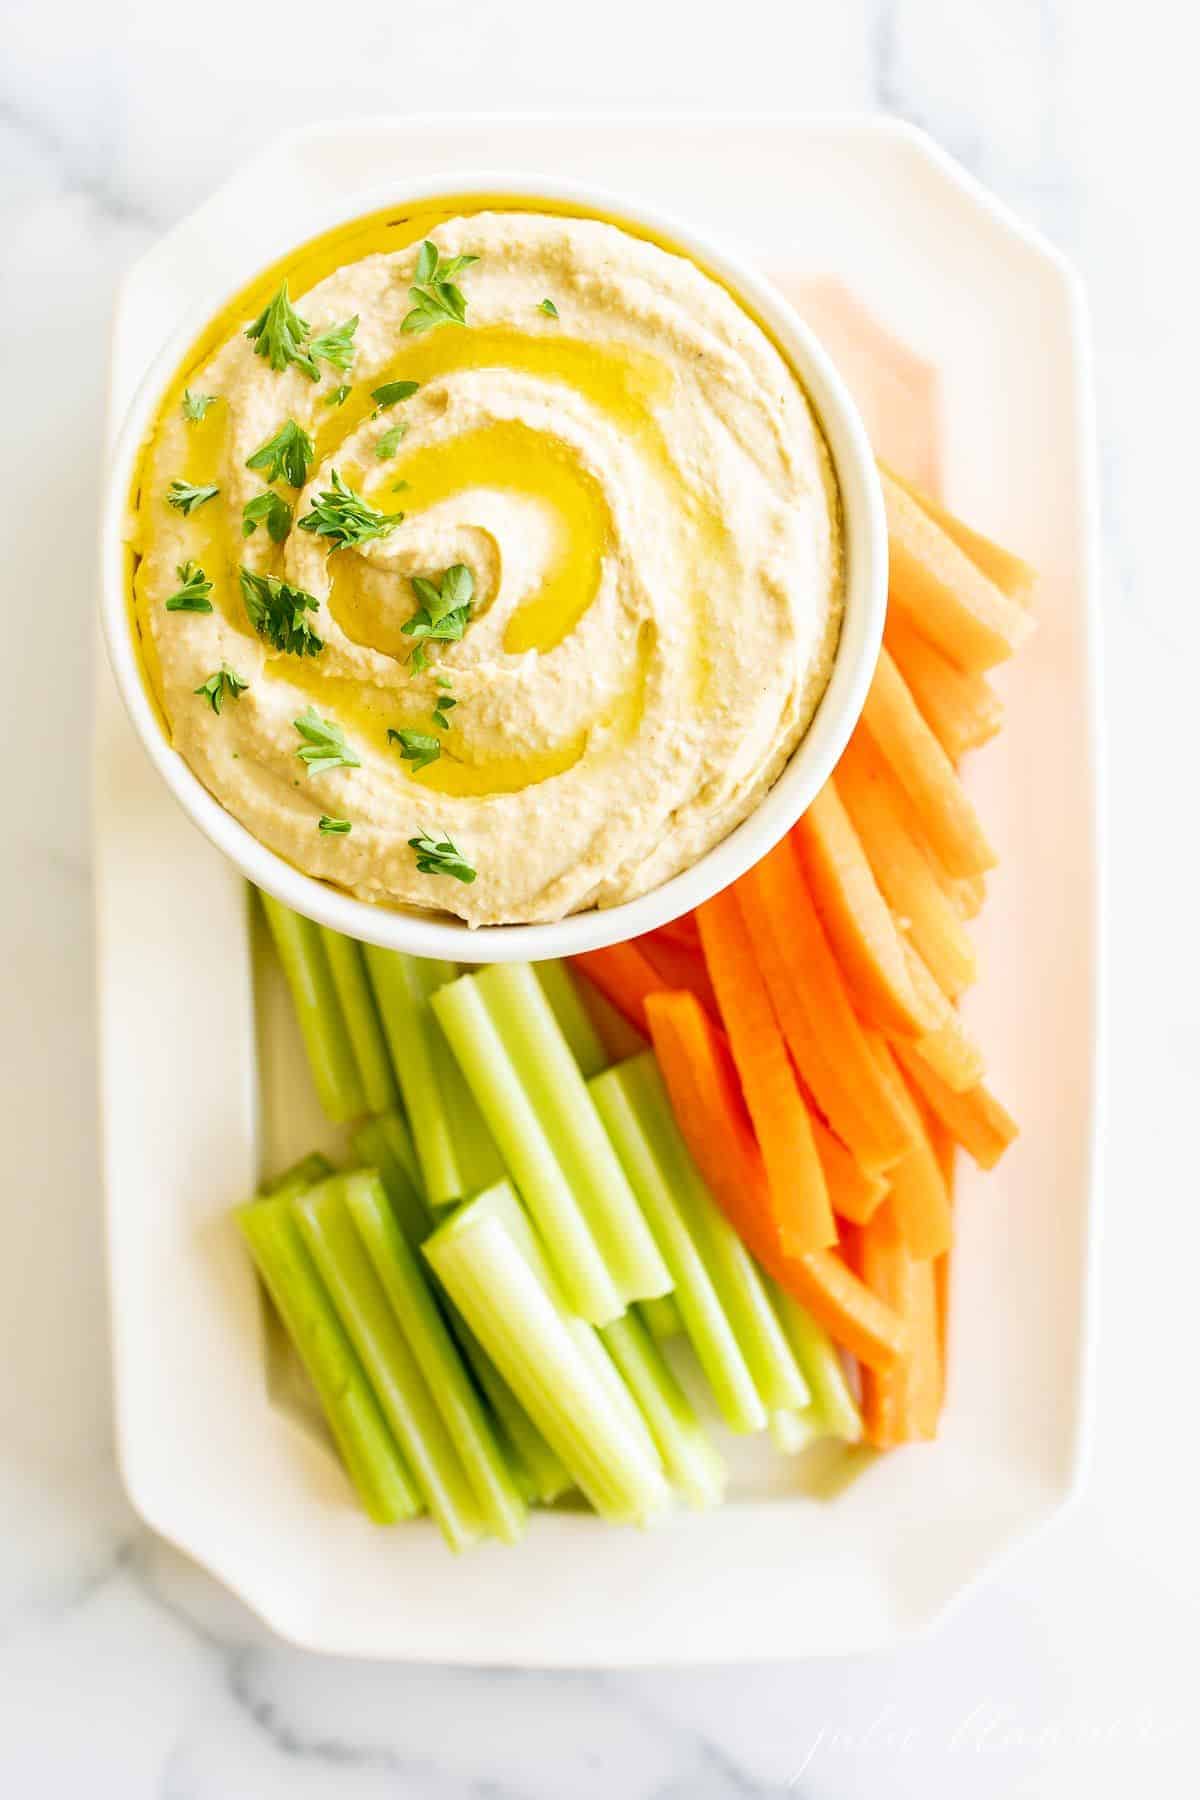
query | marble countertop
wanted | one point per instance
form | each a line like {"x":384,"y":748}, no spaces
{"x":123,"y":1670}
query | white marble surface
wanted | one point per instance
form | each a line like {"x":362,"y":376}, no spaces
{"x":125,"y":1672}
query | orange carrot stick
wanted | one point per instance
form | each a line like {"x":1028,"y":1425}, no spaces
{"x":679,"y":965}
{"x":949,"y":1049}
{"x":624,"y":976}
{"x":1011,"y":574}
{"x":828,"y":1044}
{"x":927,"y":1374}
{"x":960,"y":708}
{"x":901,"y":1403}
{"x":854,"y":1193}
{"x":946,"y":596}
{"x":919,"y":1199}
{"x":701,"y":1080}
{"x":939,"y":801}
{"x":799,"y":1201}
{"x":856,"y":917}
{"x":975,"y":1119}
{"x":883,"y":818}
{"x":683,"y":930}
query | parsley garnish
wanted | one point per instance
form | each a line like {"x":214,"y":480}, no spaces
{"x":445,"y":703}
{"x":324,"y":745}
{"x":444,"y":611}
{"x":193,"y":592}
{"x":274,"y":509}
{"x":276,"y":610}
{"x":393,"y":391}
{"x":196,"y":405}
{"x":338,"y":396}
{"x":333,"y":827}
{"x":336,"y":346}
{"x":420,"y":748}
{"x":288,"y":454}
{"x":345,"y":518}
{"x":389,"y":443}
{"x":549,"y":308}
{"x":283,"y":337}
{"x":185,"y":498}
{"x":438,"y":856}
{"x":435,"y":297}
{"x":223,"y":681}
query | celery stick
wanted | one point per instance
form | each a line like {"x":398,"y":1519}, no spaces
{"x":302,"y":1175}
{"x":525,"y":1331}
{"x":550,"y":1076}
{"x":792,"y":1432}
{"x":318,"y":1013}
{"x":455,"y":1155}
{"x":690,"y":1460}
{"x":406,"y":1285}
{"x":361,"y":1016}
{"x":369,"y":1451}
{"x":400,"y":1386}
{"x":574,"y":1021}
{"x":518,"y":1130}
{"x":821,"y":1365}
{"x":384,"y":1144}
{"x":661,"y":1317}
{"x":633,"y":1104}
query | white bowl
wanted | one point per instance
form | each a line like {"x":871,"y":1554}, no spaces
{"x":865,"y":541}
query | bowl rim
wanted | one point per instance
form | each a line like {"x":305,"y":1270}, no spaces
{"x":864,"y":534}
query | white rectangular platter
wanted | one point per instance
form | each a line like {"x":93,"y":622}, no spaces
{"x":189,"y":1124}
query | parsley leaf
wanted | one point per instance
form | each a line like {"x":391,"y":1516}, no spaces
{"x":276,"y":610}
{"x":274,"y":509}
{"x":333,"y":827}
{"x":223,"y":681}
{"x":420,"y":748}
{"x":445,"y":704}
{"x":549,"y":308}
{"x":324,"y":745}
{"x":393,"y":391}
{"x":389,"y":443}
{"x":345,"y":518}
{"x":335,"y":346}
{"x":438,"y":856}
{"x":436,"y":298}
{"x":444,"y":613}
{"x":338,"y":397}
{"x":193,"y":592}
{"x":185,"y":498}
{"x":196,"y":405}
{"x":280,"y":334}
{"x":288,"y":454}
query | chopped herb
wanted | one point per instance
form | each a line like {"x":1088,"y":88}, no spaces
{"x":333,"y":827}
{"x":393,"y":391}
{"x":438,"y":856}
{"x":224,"y":681}
{"x":446,"y":703}
{"x":345,"y":518}
{"x":419,"y":748}
{"x":185,"y":498}
{"x":549,"y":308}
{"x":194,"y":589}
{"x":399,"y":487}
{"x":389,"y":443}
{"x":338,"y":396}
{"x":288,"y":454}
{"x":444,"y":612}
{"x":280,"y":334}
{"x":276,"y":610}
{"x":324,"y":745}
{"x":274,"y":509}
{"x":196,"y":405}
{"x":442,"y":681}
{"x":435,"y":297}
{"x":336,"y":346}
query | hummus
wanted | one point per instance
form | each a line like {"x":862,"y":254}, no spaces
{"x":633,"y":481}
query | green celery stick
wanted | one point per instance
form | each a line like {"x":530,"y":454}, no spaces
{"x":455,"y":1154}
{"x":574,"y":1021}
{"x":304,"y":1174}
{"x":550,"y":1076}
{"x":662,"y":1317}
{"x":361,"y":1016}
{"x":407,"y":1287}
{"x":369,"y":1451}
{"x":689,"y":1458}
{"x":318,"y":1013}
{"x":633,"y":1104}
{"x":792,"y":1432}
{"x":821,"y":1365}
{"x":384,"y":1144}
{"x":400,"y":1386}
{"x":525,"y":1330}
{"x":518,"y":1130}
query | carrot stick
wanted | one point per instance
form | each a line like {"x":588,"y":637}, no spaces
{"x":828,"y":1044}
{"x":927,"y":1373}
{"x":960,"y":708}
{"x":883,"y":818}
{"x":699,"y":1073}
{"x":975,"y":1119}
{"x":936,"y":586}
{"x":854,"y":1193}
{"x":624,"y":975}
{"x":856,"y":917}
{"x":679,"y":965}
{"x":1011,"y":574}
{"x":939,"y":801}
{"x":900,"y":1403}
{"x":950,"y":1050}
{"x":920,"y":1202}
{"x":799,"y":1201}
{"x":683,"y":930}
{"x":967,"y":894}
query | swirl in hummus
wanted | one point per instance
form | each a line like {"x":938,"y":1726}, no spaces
{"x":634,"y":480}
